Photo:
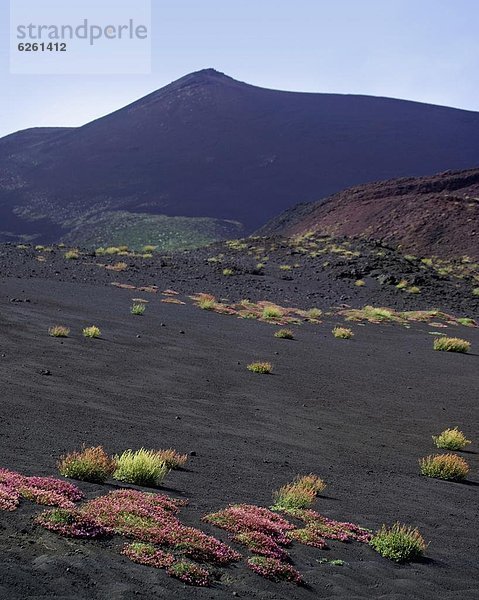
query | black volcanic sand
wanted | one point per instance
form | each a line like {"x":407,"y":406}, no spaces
{"x":358,"y":413}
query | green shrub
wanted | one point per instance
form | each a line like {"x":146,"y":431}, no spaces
{"x":72,"y":255}
{"x":138,"y":309}
{"x":228,"y":272}
{"x":92,"y":332}
{"x":263,"y":368}
{"x":91,"y":464}
{"x":284,"y":334}
{"x":342,"y":333}
{"x":360,"y":283}
{"x":451,"y":439}
{"x":450,"y":344}
{"x":142,"y":467}
{"x":207,"y":303}
{"x":450,"y":467}
{"x":475,"y":291}
{"x":313,"y":314}
{"x":399,"y":543}
{"x":299,"y":494}
{"x":271,"y":312}
{"x":466,"y":321}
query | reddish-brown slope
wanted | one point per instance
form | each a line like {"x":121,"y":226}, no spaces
{"x":436,"y":215}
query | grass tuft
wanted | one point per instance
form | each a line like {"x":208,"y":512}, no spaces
{"x":92,"y":332}
{"x":450,"y":467}
{"x":343,"y":333}
{"x":450,"y":344}
{"x":271,"y":312}
{"x":190,"y":573}
{"x":284,"y":334}
{"x":91,"y":464}
{"x":301,"y":493}
{"x":399,"y":543}
{"x":59,"y":331}
{"x":142,"y":467}
{"x":172,"y":458}
{"x":138,"y":309}
{"x":451,"y":439}
{"x":264,"y":368}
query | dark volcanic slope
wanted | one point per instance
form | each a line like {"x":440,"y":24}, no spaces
{"x":359,"y":413}
{"x":313,"y":272}
{"x":209,"y":146}
{"x":430,"y":216}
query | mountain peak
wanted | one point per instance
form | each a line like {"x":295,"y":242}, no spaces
{"x":204,"y":76}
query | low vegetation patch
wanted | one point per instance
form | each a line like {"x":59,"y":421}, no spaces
{"x":399,"y":543}
{"x":263,"y":310}
{"x":342,"y":333}
{"x":190,"y":573}
{"x":467,"y":322}
{"x":228,"y":272}
{"x":151,"y":518}
{"x":117,"y":267}
{"x":90,"y":464}
{"x":92,"y":332}
{"x":59,"y":331}
{"x":319,"y":528}
{"x":147,"y":554}
{"x":72,"y":254}
{"x":374,"y":314}
{"x":284,"y":334}
{"x":140,"y":467}
{"x":264,"y":368}
{"x":41,"y":490}
{"x":450,"y":467}
{"x":450,"y":344}
{"x":451,"y":439}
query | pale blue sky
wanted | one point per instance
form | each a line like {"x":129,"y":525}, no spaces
{"x":425,"y":50}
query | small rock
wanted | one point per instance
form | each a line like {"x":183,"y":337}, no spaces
{"x":193,"y":453}
{"x":45,"y":372}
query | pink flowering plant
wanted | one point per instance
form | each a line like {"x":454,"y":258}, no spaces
{"x":9,"y":497}
{"x":151,"y":518}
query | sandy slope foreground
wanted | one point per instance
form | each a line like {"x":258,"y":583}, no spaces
{"x":359,"y":413}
